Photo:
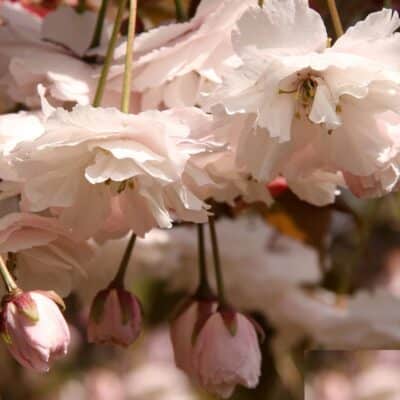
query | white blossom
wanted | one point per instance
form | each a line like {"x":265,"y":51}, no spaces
{"x":99,"y":168}
{"x":35,"y":51}
{"x":324,"y":103}
{"x":48,"y":257}
{"x":175,"y":63}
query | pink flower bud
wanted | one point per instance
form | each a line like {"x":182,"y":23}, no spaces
{"x":227,"y":353}
{"x":184,"y":330}
{"x":34,"y":329}
{"x":115,"y":317}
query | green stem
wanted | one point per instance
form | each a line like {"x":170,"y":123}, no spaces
{"x":118,"y":281}
{"x":126,"y":92}
{"x":126,"y":88}
{"x":217,"y":262}
{"x":81,"y":6}
{"x":179,"y":11}
{"x":8,"y":280}
{"x":337,"y":23}
{"x":109,"y":55}
{"x":387,"y":4}
{"x":261,"y":3}
{"x":204,"y":289}
{"x":193,"y":8}
{"x":99,"y":24}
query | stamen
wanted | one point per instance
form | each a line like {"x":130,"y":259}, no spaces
{"x":305,"y":92}
{"x":281,"y":91}
{"x":122,"y":187}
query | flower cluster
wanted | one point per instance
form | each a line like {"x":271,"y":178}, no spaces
{"x":217,"y":111}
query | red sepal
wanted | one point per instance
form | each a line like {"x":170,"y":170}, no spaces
{"x":97,"y":308}
{"x":27,"y":306}
{"x":229,"y":316}
{"x":181,"y":307}
{"x":204,"y":312}
{"x":125,"y":299}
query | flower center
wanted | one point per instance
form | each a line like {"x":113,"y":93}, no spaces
{"x":305,"y":90}
{"x":120,"y":186}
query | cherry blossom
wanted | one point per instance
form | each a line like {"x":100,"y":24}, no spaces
{"x":35,"y":51}
{"x":47,"y":256}
{"x":323,"y":103}
{"x":101,"y":168}
{"x":176,"y":63}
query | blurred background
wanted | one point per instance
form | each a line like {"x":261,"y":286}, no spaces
{"x":356,"y":246}
{"x":353,"y":375}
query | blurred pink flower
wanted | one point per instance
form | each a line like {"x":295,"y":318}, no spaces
{"x":332,"y":386}
{"x":115,"y":317}
{"x":102,"y":384}
{"x":377,"y":382}
{"x":34,"y":329}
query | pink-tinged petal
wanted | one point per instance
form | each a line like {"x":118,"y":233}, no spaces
{"x":48,"y":255}
{"x":376,"y":185}
{"x":223,"y":360}
{"x":277,"y":115}
{"x":77,"y":39}
{"x":285,"y":27}
{"x":183,"y":91}
{"x":169,"y":52}
{"x":319,"y":188}
{"x":185,"y":328}
{"x":358,"y":146}
{"x":373,"y":38}
{"x":182,"y":328}
{"x":323,"y":109}
{"x":52,"y":295}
